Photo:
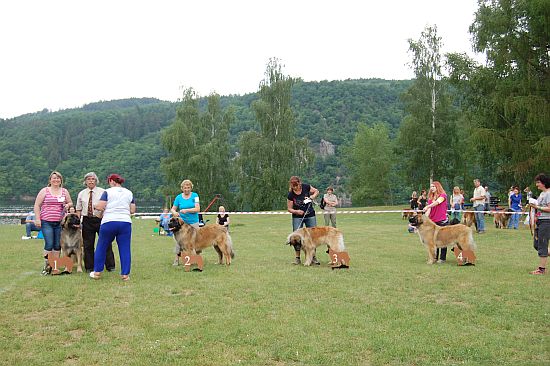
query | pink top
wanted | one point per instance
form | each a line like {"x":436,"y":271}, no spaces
{"x":53,"y":207}
{"x":439,"y":212}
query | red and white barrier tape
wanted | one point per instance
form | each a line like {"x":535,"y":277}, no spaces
{"x":156,"y":214}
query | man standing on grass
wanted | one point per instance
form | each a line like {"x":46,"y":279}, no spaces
{"x":478,"y":201}
{"x":87,"y":199}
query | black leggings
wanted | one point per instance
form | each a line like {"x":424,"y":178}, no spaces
{"x":443,"y":255}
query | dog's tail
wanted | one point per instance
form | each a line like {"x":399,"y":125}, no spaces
{"x":230,"y":244}
{"x":473,"y":244}
{"x":341,"y":246}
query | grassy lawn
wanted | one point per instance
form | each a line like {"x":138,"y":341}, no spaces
{"x":389,"y":308}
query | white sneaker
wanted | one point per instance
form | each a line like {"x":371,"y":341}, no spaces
{"x":25,"y":237}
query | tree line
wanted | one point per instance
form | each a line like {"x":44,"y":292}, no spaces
{"x":455,"y":121}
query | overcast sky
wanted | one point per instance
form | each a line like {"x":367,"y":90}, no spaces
{"x":59,"y":54}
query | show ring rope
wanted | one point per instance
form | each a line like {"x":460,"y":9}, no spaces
{"x":156,"y":214}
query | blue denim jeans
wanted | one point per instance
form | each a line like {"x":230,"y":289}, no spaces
{"x":308,"y":222}
{"x":52,"y":235}
{"x":480,"y":219}
{"x":30,"y":227}
{"x":514,"y":220}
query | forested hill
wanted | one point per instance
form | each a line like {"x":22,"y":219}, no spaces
{"x":123,"y":135}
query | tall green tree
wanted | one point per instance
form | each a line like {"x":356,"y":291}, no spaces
{"x":507,"y":100}
{"x":427,"y":135}
{"x":198,"y":148}
{"x":369,"y":160}
{"x":269,"y":156}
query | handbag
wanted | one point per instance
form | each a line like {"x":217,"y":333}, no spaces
{"x":323,"y":203}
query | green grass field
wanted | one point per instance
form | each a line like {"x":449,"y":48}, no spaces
{"x":389,"y":308}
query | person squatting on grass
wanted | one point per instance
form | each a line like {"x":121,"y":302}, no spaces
{"x":542,"y":217}
{"x":117,"y":204}
{"x":436,"y":209}
{"x":49,"y":209}
{"x":300,"y":205}
{"x":187,"y":206}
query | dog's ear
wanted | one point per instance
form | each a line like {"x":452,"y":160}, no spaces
{"x":180,"y":220}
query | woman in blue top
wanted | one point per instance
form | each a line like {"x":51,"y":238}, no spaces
{"x":187,"y":206}
{"x":514,"y":201}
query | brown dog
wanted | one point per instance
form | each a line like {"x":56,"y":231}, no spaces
{"x":501,"y":220}
{"x":195,"y":240}
{"x":469,"y":219}
{"x":309,"y":238}
{"x":434,"y":236}
{"x":407,"y":213}
{"x":71,"y":239}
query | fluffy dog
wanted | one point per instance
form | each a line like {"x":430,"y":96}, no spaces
{"x":434,"y":236}
{"x":309,"y":238}
{"x":71,"y":239}
{"x":194,"y":240}
{"x":501,"y":219}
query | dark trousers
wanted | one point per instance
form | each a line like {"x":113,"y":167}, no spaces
{"x":90,"y":227}
{"x":441,"y":253}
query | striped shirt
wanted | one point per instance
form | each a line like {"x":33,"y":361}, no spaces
{"x":53,"y":207}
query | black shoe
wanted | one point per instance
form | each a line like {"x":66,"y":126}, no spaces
{"x":315,"y":261}
{"x":110,"y":269}
{"x":297,"y":261}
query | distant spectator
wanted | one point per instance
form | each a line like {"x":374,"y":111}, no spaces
{"x":329,"y":212}
{"x":478,"y":201}
{"x":514,"y":202}
{"x":457,"y":203}
{"x":528,"y":193}
{"x":463,"y":199}
{"x":222,"y":218}
{"x":164,"y":220}
{"x":30,"y":226}
{"x":414,"y":201}
{"x":422,"y":200}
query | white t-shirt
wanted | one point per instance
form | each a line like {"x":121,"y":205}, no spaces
{"x":118,"y":200}
{"x":479,"y":192}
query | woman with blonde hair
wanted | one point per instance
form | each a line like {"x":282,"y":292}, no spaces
{"x":187,"y":206}
{"x":456,"y":202}
{"x":50,"y":206}
{"x":436,"y":209}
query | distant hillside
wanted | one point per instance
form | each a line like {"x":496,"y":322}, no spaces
{"x":123,"y":135}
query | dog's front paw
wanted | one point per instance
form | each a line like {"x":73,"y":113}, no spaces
{"x":79,"y":270}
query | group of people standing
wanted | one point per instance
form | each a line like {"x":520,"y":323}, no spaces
{"x":105,"y":212}
{"x":436,"y":209}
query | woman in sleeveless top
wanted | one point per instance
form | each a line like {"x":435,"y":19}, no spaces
{"x":49,"y":208}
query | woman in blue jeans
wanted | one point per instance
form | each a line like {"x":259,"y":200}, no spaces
{"x":49,"y":209}
{"x":300,"y":205}
{"x":514,"y":202}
